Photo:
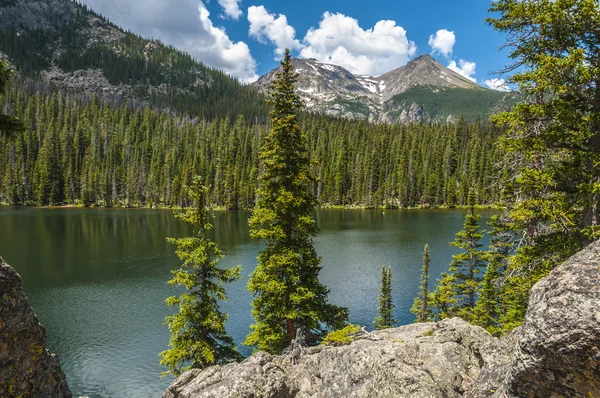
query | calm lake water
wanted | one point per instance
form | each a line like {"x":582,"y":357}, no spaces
{"x":97,"y":278}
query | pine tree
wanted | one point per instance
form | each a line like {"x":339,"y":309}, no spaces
{"x":9,"y":125}
{"x":198,"y":335}
{"x":421,"y":304}
{"x":464,"y":276}
{"x":385,"y":319}
{"x":489,"y":309}
{"x":552,"y":141}
{"x":287,"y":292}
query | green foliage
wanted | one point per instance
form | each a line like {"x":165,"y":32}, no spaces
{"x":115,"y":155}
{"x":439,"y":102}
{"x":552,"y":140}
{"x":421,"y":303}
{"x":341,"y":337}
{"x":385,"y":319}
{"x":9,"y":125}
{"x":457,"y":291}
{"x":198,"y":335}
{"x":428,"y":333}
{"x":287,"y":292}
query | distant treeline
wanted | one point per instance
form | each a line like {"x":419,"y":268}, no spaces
{"x":92,"y":152}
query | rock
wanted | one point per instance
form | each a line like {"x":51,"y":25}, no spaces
{"x":421,"y":360}
{"x":26,"y":367}
{"x":556,"y":352}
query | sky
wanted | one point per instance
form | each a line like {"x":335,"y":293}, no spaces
{"x":246,"y":38}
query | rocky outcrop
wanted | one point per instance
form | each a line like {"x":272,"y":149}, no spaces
{"x":27,"y":369}
{"x":555,"y":353}
{"x":421,"y":360}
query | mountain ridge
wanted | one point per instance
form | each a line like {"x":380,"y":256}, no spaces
{"x":333,"y":90}
{"x":69,"y":46}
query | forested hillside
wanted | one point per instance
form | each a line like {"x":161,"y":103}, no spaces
{"x":72,"y":47}
{"x":92,"y":152}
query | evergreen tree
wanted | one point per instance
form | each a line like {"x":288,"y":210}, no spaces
{"x":421,"y":304}
{"x":9,"y":125}
{"x":463,"y":278}
{"x":489,"y":308}
{"x":287,"y":292}
{"x":385,"y":319}
{"x":553,"y":137}
{"x":198,"y":335}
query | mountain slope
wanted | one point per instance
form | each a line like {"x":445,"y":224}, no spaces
{"x":68,"y":45}
{"x":422,"y":90}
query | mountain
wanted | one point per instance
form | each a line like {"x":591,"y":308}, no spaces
{"x":64,"y":44}
{"x":421,"y":90}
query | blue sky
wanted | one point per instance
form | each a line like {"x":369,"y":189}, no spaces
{"x":246,"y":37}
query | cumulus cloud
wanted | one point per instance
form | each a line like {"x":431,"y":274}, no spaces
{"x":269,"y":28}
{"x":497,"y":84}
{"x":464,"y":68}
{"x":340,"y":40}
{"x":185,"y":24}
{"x":231,"y":8}
{"x":442,"y":42}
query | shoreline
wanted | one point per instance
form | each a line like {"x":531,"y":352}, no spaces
{"x":220,"y":208}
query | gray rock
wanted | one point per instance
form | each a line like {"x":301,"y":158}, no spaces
{"x":27,"y":369}
{"x":556,"y":352}
{"x":421,"y":360}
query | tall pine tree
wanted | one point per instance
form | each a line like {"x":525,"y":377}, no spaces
{"x":198,"y":335}
{"x":553,"y":137}
{"x":385,"y":319}
{"x":9,"y":125}
{"x":456,"y":292}
{"x":285,"y":284}
{"x":421,"y":304}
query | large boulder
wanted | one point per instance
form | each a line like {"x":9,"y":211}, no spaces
{"x":556,"y":352}
{"x":27,"y":369}
{"x":422,"y":360}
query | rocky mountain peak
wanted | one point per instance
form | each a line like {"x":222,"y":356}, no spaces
{"x":333,"y":90}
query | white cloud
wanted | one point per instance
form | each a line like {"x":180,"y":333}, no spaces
{"x":464,"y":68}
{"x":185,"y":24}
{"x":266,"y":27}
{"x":233,"y":58}
{"x":340,"y":40}
{"x":231,"y":8}
{"x":497,"y":84}
{"x":442,"y":42}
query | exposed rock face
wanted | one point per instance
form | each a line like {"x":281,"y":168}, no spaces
{"x":421,"y":360}
{"x":27,"y":369}
{"x":554,"y":354}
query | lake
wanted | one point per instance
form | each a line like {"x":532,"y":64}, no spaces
{"x":96,"y":278}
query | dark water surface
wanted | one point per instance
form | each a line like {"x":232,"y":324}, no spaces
{"x":97,"y":278}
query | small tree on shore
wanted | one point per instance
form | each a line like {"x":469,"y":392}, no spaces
{"x":385,"y":319}
{"x":457,"y":290}
{"x":198,"y":335}
{"x":421,"y":304}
